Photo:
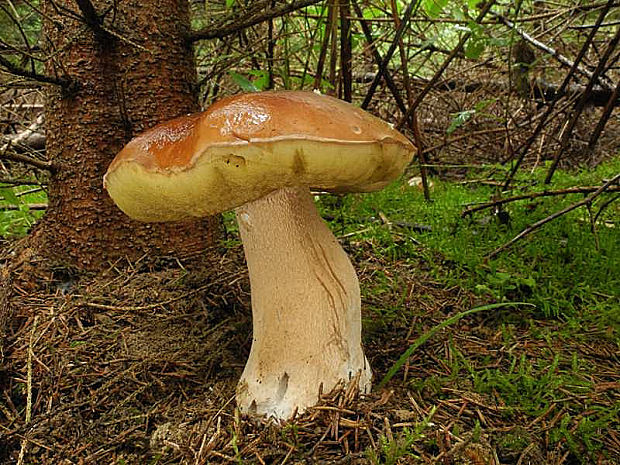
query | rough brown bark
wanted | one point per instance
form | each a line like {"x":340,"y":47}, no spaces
{"x":141,"y":74}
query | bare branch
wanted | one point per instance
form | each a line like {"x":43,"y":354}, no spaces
{"x":31,"y":206}
{"x":20,"y":182}
{"x":235,"y":24}
{"x":590,"y":26}
{"x":23,"y":136}
{"x":33,"y":141}
{"x":18,"y":157}
{"x":614,"y":98}
{"x":90,"y":15}
{"x":534,"y":195}
{"x":551,"y":51}
{"x":581,"y":105}
{"x":565,"y":83}
{"x":378,"y":60}
{"x":17,"y":71}
{"x":92,"y":19}
{"x":445,"y":64}
{"x":320,"y":65}
{"x":539,"y":89}
{"x":587,"y":201}
{"x":404,"y":22}
{"x":18,"y":24}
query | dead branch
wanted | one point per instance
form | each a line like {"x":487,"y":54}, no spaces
{"x":458,"y":49}
{"x":17,"y":71}
{"x":18,"y":157}
{"x":404,"y":22}
{"x":15,"y":20}
{"x":597,"y":97}
{"x":539,"y":89}
{"x":522,"y":152}
{"x":378,"y":60}
{"x":605,"y":204}
{"x":589,"y":26}
{"x":90,"y":16}
{"x":19,"y":182}
{"x":587,"y":201}
{"x":413,"y":121}
{"x":29,"y":191}
{"x":235,"y":24}
{"x":35,"y":141}
{"x":553,"y":52}
{"x":611,"y":103}
{"x":397,"y":97}
{"x":23,"y":137}
{"x":31,"y":206}
{"x":25,"y":106}
{"x":581,"y":103}
{"x":28,"y":136}
{"x":346,"y":57}
{"x":318,"y":75}
{"x":533,"y":195}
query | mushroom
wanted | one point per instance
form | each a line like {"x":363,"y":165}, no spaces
{"x":260,"y":154}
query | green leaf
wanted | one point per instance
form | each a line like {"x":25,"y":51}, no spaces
{"x":474,"y":48}
{"x":502,"y":276}
{"x":476,"y":29}
{"x":371,"y":12}
{"x":481,"y":288}
{"x":262,"y":79}
{"x":9,"y":195}
{"x":482,"y":104}
{"x":459,"y":120}
{"x":230,"y":3}
{"x":244,"y":83}
{"x":529,"y":282}
{"x":434,"y":7}
{"x":462,"y":117}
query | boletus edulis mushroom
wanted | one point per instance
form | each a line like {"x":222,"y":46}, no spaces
{"x":261,"y":154}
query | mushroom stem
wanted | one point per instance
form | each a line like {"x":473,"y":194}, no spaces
{"x":305,"y":307}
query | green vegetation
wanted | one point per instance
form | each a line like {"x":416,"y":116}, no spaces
{"x":562,"y":269}
{"x":19,"y":219}
{"x":569,"y":270}
{"x":393,"y":448}
{"x":518,"y":352}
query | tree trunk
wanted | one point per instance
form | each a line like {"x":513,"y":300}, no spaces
{"x":141,"y":74}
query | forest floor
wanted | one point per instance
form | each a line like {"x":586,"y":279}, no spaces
{"x":138,"y":365}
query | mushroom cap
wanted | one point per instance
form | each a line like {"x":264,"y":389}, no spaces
{"x":246,"y":146}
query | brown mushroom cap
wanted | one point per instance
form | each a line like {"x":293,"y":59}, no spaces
{"x":245,"y":146}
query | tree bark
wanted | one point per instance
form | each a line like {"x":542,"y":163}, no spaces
{"x":137,"y":74}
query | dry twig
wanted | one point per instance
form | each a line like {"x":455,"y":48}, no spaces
{"x":588,"y":200}
{"x":532,"y":195}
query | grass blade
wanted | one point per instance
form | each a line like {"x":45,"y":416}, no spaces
{"x":426,"y":336}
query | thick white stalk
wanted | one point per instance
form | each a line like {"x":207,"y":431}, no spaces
{"x":305,"y":306}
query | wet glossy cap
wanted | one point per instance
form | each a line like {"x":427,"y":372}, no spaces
{"x":246,"y":146}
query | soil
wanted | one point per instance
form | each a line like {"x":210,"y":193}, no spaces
{"x":138,"y":365}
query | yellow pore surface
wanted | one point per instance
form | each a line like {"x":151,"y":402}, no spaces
{"x":228,"y":176}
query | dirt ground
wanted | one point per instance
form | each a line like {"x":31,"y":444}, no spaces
{"x":139,"y":365}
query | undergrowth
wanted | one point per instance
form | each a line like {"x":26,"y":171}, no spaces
{"x":562,"y":268}
{"x":569,"y":270}
{"x":16,"y":222}
{"x":531,"y":369}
